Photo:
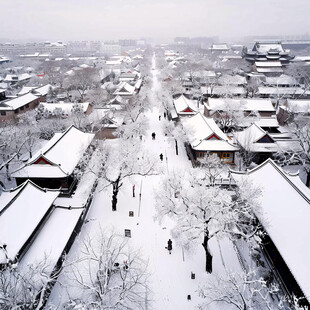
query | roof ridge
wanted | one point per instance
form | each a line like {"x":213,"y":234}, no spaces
{"x":262,"y":130}
{"x":63,"y":134}
{"x":281,"y":171}
{"x":23,"y":186}
{"x":204,"y":119}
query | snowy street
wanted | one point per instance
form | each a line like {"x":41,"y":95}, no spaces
{"x":170,"y":275}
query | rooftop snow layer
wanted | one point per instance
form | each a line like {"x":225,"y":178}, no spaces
{"x":285,"y":202}
{"x":18,"y":102}
{"x":21,"y":216}
{"x":182,"y":103}
{"x":243,"y":104}
{"x":63,"y":151}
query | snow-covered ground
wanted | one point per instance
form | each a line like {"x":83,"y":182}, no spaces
{"x":170,"y":275}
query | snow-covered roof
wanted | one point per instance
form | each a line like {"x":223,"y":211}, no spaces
{"x":19,"y":77}
{"x":18,"y":102}
{"x":184,"y":106}
{"x":22,"y":210}
{"x":298,"y":105}
{"x":138,"y":84}
{"x":281,"y":80}
{"x":53,"y":237}
{"x":201,"y":129}
{"x":269,"y":70}
{"x":128,"y":75}
{"x":224,"y":90}
{"x":42,"y":90}
{"x":267,"y":122}
{"x":108,"y":118}
{"x":265,"y":90}
{"x":118,"y":100}
{"x":231,"y":80}
{"x":25,"y":90}
{"x":59,"y":156}
{"x":219,"y":46}
{"x":250,"y":138}
{"x":124,"y":89}
{"x":65,"y":107}
{"x":265,"y":64}
{"x":249,"y":104}
{"x":265,"y":47}
{"x":270,"y":122}
{"x":285,"y":203}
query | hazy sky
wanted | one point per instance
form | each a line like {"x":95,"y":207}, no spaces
{"x":117,"y":19}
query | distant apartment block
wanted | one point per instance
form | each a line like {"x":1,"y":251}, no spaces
{"x":111,"y":48}
{"x":56,"y":48}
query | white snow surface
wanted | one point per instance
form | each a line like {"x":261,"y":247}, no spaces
{"x":51,"y":241}
{"x":7,"y":196}
{"x":22,"y":217}
{"x":18,"y":102}
{"x":251,"y":104}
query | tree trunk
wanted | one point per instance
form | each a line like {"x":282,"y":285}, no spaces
{"x":116,"y":187}
{"x":176,"y":147}
{"x":308,"y":179}
{"x":208,"y":254}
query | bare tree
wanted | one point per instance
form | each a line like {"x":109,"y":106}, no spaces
{"x":108,"y":274}
{"x":301,"y":155}
{"x":176,"y":133}
{"x":121,"y":161}
{"x":135,"y":123}
{"x":243,"y":291}
{"x":83,"y":80}
{"x":78,"y":116}
{"x":98,"y":96}
{"x":230,"y":115}
{"x":11,"y":145}
{"x":246,"y":150}
{"x":26,"y":287}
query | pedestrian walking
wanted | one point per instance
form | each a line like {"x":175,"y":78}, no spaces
{"x":169,"y":247}
{"x":161,"y":156}
{"x":133,"y":190}
{"x":165,"y":114}
{"x":153,"y":136}
{"x":159,"y":117}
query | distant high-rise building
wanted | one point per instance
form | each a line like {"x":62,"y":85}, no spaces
{"x":111,"y":48}
{"x":57,"y":48}
{"x":201,"y":42}
{"x":127,"y":43}
{"x":95,"y":46}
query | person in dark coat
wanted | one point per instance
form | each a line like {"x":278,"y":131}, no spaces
{"x":169,"y":246}
{"x":161,"y":156}
{"x":153,"y":136}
